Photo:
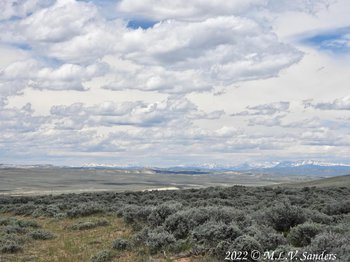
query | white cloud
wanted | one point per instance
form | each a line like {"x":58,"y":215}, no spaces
{"x":31,"y":73}
{"x":178,"y":56}
{"x":197,"y":9}
{"x":165,"y":94}
{"x":173,"y":56}
{"x":171,"y":112}
{"x":21,"y":8}
{"x":265,"y":109}
{"x":266,"y":121}
{"x":21,"y":120}
{"x":338,"y":104}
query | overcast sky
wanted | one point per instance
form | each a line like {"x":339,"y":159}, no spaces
{"x":166,"y":83}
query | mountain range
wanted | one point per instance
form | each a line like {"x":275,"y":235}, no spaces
{"x":301,"y":167}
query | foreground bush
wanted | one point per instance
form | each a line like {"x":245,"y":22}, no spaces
{"x":199,"y":222}
{"x":301,"y":235}
{"x":283,"y":216}
{"x":159,"y":239}
{"x":332,"y":243}
{"x":10,"y":243}
{"x":121,"y":244}
{"x":41,"y":235}
{"x":213,"y":232}
{"x":89,"y":224}
{"x":86,"y":209}
{"x":103,"y":256}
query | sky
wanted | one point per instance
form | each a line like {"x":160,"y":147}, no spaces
{"x":169,"y":83}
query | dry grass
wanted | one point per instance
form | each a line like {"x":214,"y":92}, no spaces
{"x":80,"y":245}
{"x":70,"y":245}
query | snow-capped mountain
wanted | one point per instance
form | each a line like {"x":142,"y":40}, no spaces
{"x":306,"y":167}
{"x":301,"y":168}
{"x":301,"y":163}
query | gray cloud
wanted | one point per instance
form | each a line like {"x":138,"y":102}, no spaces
{"x":172,"y":57}
{"x":264,"y":109}
{"x":173,"y":111}
{"x":266,"y":121}
{"x":21,"y":8}
{"x":181,"y":9}
{"x":195,"y":47}
{"x":14,"y":120}
{"x":338,"y":104}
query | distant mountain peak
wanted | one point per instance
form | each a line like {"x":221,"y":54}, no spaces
{"x":315,"y":163}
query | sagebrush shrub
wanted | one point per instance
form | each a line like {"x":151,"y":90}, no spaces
{"x":41,"y":234}
{"x":160,"y":213}
{"x":158,"y":239}
{"x":11,"y":243}
{"x":337,"y":207}
{"x":301,"y":235}
{"x":89,"y":224}
{"x":14,"y":229}
{"x":121,"y":244}
{"x":268,"y":238}
{"x":132,"y":213}
{"x":318,"y":217}
{"x":85,"y":209}
{"x":212,"y":232}
{"x":283,"y":216}
{"x":28,"y":223}
{"x":246,"y":243}
{"x":102,"y":256}
{"x":331,"y":242}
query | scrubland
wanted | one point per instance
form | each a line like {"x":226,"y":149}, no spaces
{"x":182,"y":225}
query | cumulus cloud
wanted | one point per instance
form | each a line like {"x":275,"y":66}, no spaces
{"x":32,"y":73}
{"x":173,"y":56}
{"x":226,"y":49}
{"x":173,"y":111}
{"x":178,"y":57}
{"x":156,"y":78}
{"x":193,"y":47}
{"x":21,"y":8}
{"x":265,"y":109}
{"x":338,"y":104}
{"x":323,"y":137}
{"x":192,"y":10}
{"x":266,"y":121}
{"x":70,"y":31}
{"x":21,"y":120}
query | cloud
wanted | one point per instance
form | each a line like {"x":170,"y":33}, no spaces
{"x":196,"y":9}
{"x":180,"y":56}
{"x":32,"y":73}
{"x":266,"y":121}
{"x":217,"y":46}
{"x":173,"y":56}
{"x":158,"y":77}
{"x":323,"y":137}
{"x":171,"y":112}
{"x":338,"y":104}
{"x":70,"y":31}
{"x":14,"y":120}
{"x":21,"y":8}
{"x":265,"y":109}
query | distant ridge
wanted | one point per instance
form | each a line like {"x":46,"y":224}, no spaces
{"x":337,"y":181}
{"x":288,"y":168}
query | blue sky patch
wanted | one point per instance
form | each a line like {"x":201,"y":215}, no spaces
{"x":23,"y":46}
{"x":337,"y":41}
{"x":144,"y":24}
